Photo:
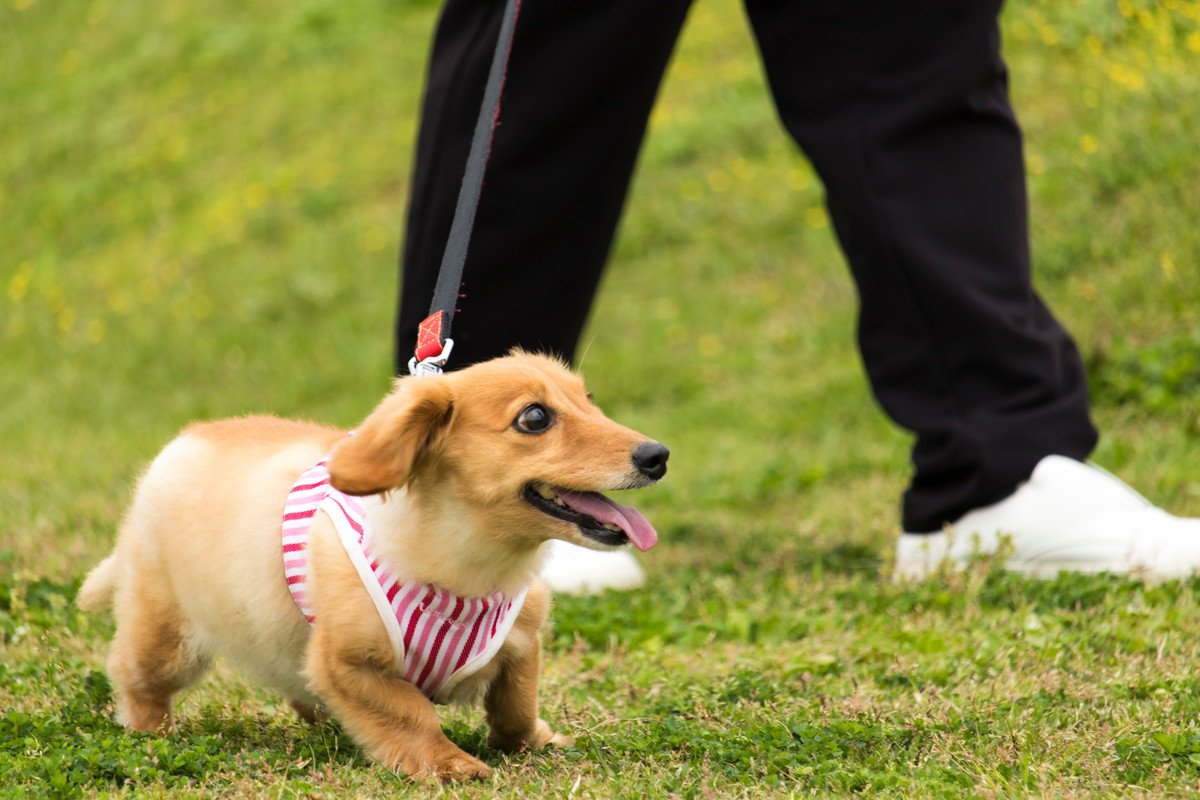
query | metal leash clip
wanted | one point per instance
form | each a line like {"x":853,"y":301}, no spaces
{"x":433,"y":364}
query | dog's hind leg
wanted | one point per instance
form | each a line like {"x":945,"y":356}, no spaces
{"x":153,"y":655}
{"x":308,"y":712}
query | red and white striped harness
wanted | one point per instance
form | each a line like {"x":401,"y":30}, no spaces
{"x":441,"y":637}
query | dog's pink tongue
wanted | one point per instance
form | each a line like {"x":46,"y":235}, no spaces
{"x":603,"y":510}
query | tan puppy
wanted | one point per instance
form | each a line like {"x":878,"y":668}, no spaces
{"x":463,"y":476}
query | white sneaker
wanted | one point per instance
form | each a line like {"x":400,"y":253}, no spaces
{"x":1069,"y":516}
{"x":572,"y":569}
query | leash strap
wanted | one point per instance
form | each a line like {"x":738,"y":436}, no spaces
{"x":433,"y":335}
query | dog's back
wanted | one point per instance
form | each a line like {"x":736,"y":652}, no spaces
{"x":199,"y":549}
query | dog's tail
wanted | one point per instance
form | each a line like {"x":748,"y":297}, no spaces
{"x":98,"y":588}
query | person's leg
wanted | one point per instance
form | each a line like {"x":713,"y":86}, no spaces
{"x":904,"y":112}
{"x":580,"y":84}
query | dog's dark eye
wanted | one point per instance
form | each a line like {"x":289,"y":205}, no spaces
{"x":533,"y":419}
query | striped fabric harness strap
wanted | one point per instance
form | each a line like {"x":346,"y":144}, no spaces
{"x":441,"y":637}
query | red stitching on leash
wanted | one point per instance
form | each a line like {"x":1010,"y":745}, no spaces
{"x":429,"y":336}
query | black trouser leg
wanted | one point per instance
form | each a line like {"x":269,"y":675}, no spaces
{"x":904,"y":112}
{"x":903,"y":109}
{"x":581,"y":81}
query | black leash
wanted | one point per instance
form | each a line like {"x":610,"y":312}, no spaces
{"x":433,"y":336}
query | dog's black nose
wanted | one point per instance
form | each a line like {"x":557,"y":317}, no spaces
{"x":651,"y":459}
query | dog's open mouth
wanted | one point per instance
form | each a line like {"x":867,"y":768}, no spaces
{"x":599,"y":518}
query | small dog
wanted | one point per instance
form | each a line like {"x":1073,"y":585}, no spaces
{"x":399,"y":571}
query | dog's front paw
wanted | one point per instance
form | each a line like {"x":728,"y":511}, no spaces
{"x":541,"y":736}
{"x":453,"y":767}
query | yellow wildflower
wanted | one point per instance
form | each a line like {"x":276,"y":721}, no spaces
{"x":97,"y":12}
{"x":708,"y":345}
{"x":741,"y":169}
{"x":816,"y":217}
{"x":374,"y":239}
{"x":68,"y":62}
{"x":1126,"y":77}
{"x":254,"y":195}
{"x":799,"y":179}
{"x":719,"y":180}
{"x":1167,"y":263}
{"x":18,"y":284}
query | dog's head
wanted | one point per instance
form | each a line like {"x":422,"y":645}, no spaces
{"x":516,"y":444}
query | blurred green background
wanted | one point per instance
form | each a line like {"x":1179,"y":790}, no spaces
{"x":189,"y":193}
{"x":200,"y":211}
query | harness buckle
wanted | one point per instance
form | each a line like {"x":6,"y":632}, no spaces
{"x":431,"y":365}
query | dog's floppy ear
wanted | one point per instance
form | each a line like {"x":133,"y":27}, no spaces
{"x":385,"y":448}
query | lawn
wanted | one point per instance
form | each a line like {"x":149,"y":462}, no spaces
{"x":187,"y":189}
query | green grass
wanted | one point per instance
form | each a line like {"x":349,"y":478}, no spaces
{"x":187,"y":189}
